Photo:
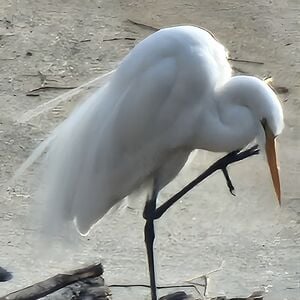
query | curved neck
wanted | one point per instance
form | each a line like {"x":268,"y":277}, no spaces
{"x":230,"y":123}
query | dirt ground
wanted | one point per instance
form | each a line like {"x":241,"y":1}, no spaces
{"x":70,"y":42}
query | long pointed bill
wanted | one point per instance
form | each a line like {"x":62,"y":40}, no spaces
{"x":272,"y":161}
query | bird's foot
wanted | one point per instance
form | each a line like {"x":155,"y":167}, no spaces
{"x":234,"y":156}
{"x":229,"y":182}
{"x":240,"y":155}
{"x":221,"y":164}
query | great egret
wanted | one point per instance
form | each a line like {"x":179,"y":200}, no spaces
{"x":173,"y":93}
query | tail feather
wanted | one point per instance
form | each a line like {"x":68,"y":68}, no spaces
{"x":74,"y":185}
{"x":68,"y":166}
{"x":35,"y":155}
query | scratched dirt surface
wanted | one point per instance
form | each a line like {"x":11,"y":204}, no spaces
{"x":65,"y":44}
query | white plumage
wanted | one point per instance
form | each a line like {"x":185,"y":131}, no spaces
{"x":172,"y":93}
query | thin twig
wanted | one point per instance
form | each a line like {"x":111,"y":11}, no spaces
{"x":119,"y":39}
{"x":48,"y":87}
{"x":246,"y":61}
{"x":85,"y":40}
{"x":43,"y":78}
{"x":46,"y":106}
{"x":205,"y":277}
{"x":144,"y":26}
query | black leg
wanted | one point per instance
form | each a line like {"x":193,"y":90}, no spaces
{"x":149,"y":234}
{"x":228,"y":181}
{"x":221,"y":164}
{"x":151,"y":212}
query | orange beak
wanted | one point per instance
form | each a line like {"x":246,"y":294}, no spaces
{"x":272,"y":161}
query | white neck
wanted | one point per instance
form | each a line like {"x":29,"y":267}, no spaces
{"x":233,"y":120}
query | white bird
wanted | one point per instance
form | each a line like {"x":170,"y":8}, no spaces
{"x":173,"y":93}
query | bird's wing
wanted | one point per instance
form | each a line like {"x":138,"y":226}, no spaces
{"x":125,"y":131}
{"x":111,"y":144}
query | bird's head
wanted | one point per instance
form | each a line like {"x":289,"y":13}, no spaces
{"x":266,"y":107}
{"x":256,"y":111}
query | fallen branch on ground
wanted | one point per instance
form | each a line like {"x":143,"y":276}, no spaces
{"x":46,"y":106}
{"x":246,"y":61}
{"x":144,"y":26}
{"x":48,"y":87}
{"x":50,"y":285}
{"x":205,"y":278}
{"x":119,"y":39}
{"x":87,"y":283}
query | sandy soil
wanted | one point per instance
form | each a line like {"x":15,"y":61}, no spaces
{"x":65,"y":41}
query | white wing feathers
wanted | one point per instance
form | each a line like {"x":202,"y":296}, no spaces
{"x":109,"y":147}
{"x":127,"y":131}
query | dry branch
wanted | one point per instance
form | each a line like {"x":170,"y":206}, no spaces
{"x":246,"y":61}
{"x":144,"y":26}
{"x":119,"y":39}
{"x":50,"y":285}
{"x":48,"y":87}
{"x":46,"y":106}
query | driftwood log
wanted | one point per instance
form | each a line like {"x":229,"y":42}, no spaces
{"x":86,"y":283}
